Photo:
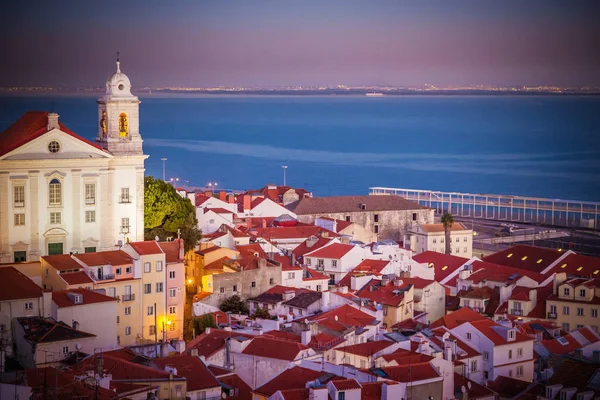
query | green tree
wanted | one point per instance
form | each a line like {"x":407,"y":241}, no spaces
{"x":166,"y":212}
{"x":261,"y":313}
{"x":234,"y":304}
{"x":448,"y":221}
{"x":203,"y":322}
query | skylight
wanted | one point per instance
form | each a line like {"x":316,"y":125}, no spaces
{"x":562,"y":341}
{"x":509,"y":256}
{"x":596,"y":271}
{"x":579,"y":268}
{"x":539,"y":261}
{"x":524,"y":258}
{"x":564,"y":266}
{"x":445,"y":267}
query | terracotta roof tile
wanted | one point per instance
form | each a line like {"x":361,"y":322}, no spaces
{"x":47,"y":330}
{"x":486,"y":327}
{"x":244,"y":392}
{"x":112,"y":257}
{"x":529,"y":258}
{"x":210,"y":343}
{"x":340,"y":204}
{"x":76,"y":278}
{"x":579,"y":265}
{"x":366,"y":349}
{"x":293,"y":378}
{"x":409,"y":373}
{"x":275,"y":348}
{"x":346,"y":384}
{"x":192,"y":369}
{"x":251,"y":249}
{"x":443,"y":264}
{"x":457,"y":318}
{"x":486,"y":271}
{"x":475,"y":390}
{"x":146,"y":247}
{"x":313,"y":275}
{"x":31,"y":125}
{"x":437,"y":228}
{"x":303,"y":248}
{"x":171,"y":250}
{"x":291,"y":232}
{"x":334,"y":251}
{"x":62,"y":262}
{"x":88,"y":297}
{"x":15,"y":286}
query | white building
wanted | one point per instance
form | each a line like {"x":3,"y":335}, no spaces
{"x":336,"y":259}
{"x":431,"y":237}
{"x":61,"y":193}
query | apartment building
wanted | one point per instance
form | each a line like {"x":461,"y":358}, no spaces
{"x":575,"y":303}
{"x":431,"y":237}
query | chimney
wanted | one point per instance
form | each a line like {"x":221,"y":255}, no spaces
{"x":449,"y":349}
{"x":181,"y":249}
{"x":385,"y":280}
{"x":264,"y":223}
{"x":231,"y":199}
{"x":306,"y":337}
{"x":164,"y":350}
{"x":53,"y":121}
{"x":343,"y":289}
{"x":246,"y":199}
{"x":208,"y":193}
{"x":222,"y":195}
{"x":207,"y":330}
{"x":180,"y":346}
{"x":288,"y":295}
{"x":424,"y":347}
{"x":194,"y":352}
{"x":248,"y":223}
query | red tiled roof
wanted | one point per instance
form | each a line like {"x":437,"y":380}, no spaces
{"x":200,"y":199}
{"x":218,"y":371}
{"x":171,"y":250}
{"x":404,"y":357}
{"x":411,"y":373}
{"x":418,"y":283}
{"x":346,"y":384}
{"x":347,"y":316}
{"x":314,"y":275}
{"x":469,"y":352}
{"x":437,"y":228}
{"x":366,"y":349}
{"x":340,"y":225}
{"x":274,"y":348}
{"x":334,"y":251}
{"x":218,"y":210}
{"x":62,"y":385}
{"x":389,"y":295}
{"x":283,"y":335}
{"x":251,"y":249}
{"x":14,"y":285}
{"x":529,"y":258}
{"x":76,"y":278}
{"x":322,"y":341}
{"x":486,"y":328}
{"x":121,"y":369}
{"x":244,"y":392}
{"x":31,"y":125}
{"x":210,"y":343}
{"x":217,"y":264}
{"x":520,"y":293}
{"x":373,"y":266}
{"x":291,"y":232}
{"x":146,"y":247}
{"x":579,"y":265}
{"x":457,"y":318}
{"x":88,"y":297}
{"x":62,"y":262}
{"x":293,"y":378}
{"x":295,"y":394}
{"x":555,"y":347}
{"x":191,"y":368}
{"x":443,"y":264}
{"x":208,"y":250}
{"x":303,"y":247}
{"x":112,"y":257}
{"x":286,"y":263}
{"x":340,"y":204}
{"x":486,"y":271}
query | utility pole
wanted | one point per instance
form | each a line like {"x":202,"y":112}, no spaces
{"x":155,"y":332}
{"x":284,"y":174}
{"x":164,"y":161}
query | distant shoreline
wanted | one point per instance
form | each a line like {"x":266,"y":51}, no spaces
{"x":4,"y":92}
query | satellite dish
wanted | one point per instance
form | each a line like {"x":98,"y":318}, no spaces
{"x":306,"y":321}
{"x":78,"y":346}
{"x":120,"y":243}
{"x":463,"y":389}
{"x":469,"y":385}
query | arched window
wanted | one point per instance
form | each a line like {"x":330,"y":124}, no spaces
{"x":123,"y":125}
{"x":55,"y":193}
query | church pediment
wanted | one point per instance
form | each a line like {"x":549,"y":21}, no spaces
{"x":55,"y":232}
{"x":56,"y":144}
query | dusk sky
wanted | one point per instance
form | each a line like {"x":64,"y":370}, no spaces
{"x":308,"y":42}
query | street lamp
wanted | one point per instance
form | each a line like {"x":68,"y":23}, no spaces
{"x":284,"y":173}
{"x":164,"y":161}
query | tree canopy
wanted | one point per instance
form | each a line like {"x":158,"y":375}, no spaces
{"x":165,"y":212}
{"x":447,"y":221}
{"x":261,"y":313}
{"x":234,"y":304}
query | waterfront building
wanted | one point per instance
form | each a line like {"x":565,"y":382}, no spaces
{"x":431,"y":237}
{"x":575,"y":303}
{"x":61,"y":193}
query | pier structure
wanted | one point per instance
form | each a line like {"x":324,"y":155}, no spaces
{"x":534,"y":210}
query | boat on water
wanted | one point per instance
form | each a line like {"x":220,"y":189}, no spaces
{"x":374,"y":94}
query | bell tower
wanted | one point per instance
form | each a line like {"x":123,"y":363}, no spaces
{"x":118,"y":117}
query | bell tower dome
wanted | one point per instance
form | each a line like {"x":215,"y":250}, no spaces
{"x":118,"y":116}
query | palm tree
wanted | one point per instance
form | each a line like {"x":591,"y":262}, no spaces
{"x":447,"y":221}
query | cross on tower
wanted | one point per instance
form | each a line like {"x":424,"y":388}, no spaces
{"x":118,"y":55}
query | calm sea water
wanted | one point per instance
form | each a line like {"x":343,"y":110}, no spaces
{"x":538,"y":146}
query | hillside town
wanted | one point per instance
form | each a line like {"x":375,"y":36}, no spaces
{"x":285,"y":296}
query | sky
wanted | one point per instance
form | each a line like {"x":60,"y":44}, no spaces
{"x":206,"y":43}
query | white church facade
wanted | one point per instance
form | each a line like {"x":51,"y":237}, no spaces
{"x":61,"y":193}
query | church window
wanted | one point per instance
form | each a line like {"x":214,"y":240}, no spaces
{"x":55,"y":218}
{"x":54,"y":147}
{"x":125,"y":195}
{"x":90,"y":216}
{"x":55,"y":193}
{"x":123,"y":125}
{"x":103,"y":123}
{"x":19,"y":196}
{"x":90,"y":193}
{"x":124,"y":225}
{"x":19,"y":219}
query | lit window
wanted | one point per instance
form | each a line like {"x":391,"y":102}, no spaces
{"x":152,"y":330}
{"x":54,"y":193}
{"x":596,"y":271}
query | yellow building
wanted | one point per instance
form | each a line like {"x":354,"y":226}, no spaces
{"x":575,"y":303}
{"x":395,"y":301}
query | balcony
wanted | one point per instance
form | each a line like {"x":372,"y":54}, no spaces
{"x":104,"y":277}
{"x":124,"y":199}
{"x":128,"y":297}
{"x":551,"y":315}
{"x":515,"y":311}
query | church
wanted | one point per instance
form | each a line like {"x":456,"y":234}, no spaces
{"x":61,"y":193}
